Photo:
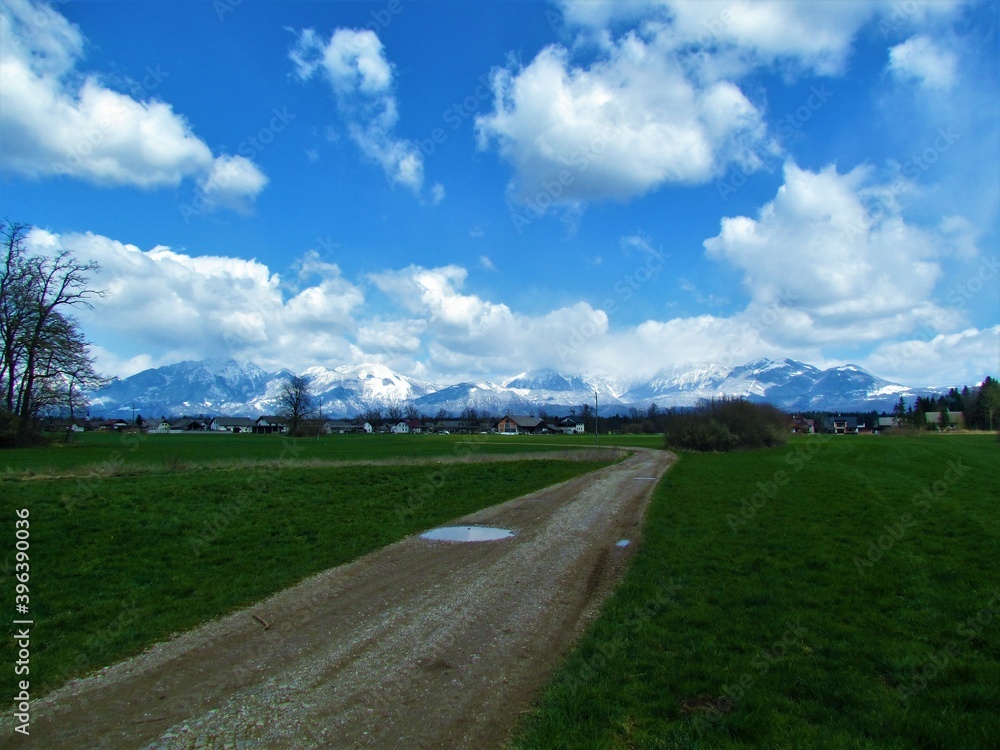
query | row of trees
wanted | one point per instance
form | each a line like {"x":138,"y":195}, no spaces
{"x":980,"y":407}
{"x":45,"y":362}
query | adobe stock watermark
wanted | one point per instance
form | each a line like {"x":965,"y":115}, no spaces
{"x":455,"y":116}
{"x":554,"y":188}
{"x":900,"y":16}
{"x":923,"y":501}
{"x":92,"y":137}
{"x":960,"y":294}
{"x":760,"y":321}
{"x":206,"y":199}
{"x":939,"y":660}
{"x":786,"y":126}
{"x":663,"y":597}
{"x":625,"y":288}
{"x":711,"y":33}
{"x":765,"y":492}
{"x":36,"y":19}
{"x":882,"y":201}
{"x":792,"y":640}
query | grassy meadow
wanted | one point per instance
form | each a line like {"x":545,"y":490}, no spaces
{"x":109,"y":452}
{"x":837,"y":592}
{"x":134,"y":539}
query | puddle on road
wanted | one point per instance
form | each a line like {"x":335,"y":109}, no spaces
{"x":466,"y":534}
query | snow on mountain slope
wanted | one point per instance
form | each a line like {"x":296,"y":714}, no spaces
{"x":240,"y":388}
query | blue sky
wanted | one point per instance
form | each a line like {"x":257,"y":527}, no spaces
{"x":469,"y":190}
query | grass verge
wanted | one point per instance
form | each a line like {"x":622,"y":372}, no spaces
{"x":120,"y":562}
{"x":838,"y":592}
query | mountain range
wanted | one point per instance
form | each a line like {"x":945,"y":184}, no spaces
{"x":241,"y":388}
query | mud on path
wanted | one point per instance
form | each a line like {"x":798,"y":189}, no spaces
{"x":419,"y":644}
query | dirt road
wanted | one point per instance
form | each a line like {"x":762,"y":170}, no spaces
{"x":420,"y":644}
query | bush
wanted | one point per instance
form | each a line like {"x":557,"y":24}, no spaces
{"x":725,"y":424}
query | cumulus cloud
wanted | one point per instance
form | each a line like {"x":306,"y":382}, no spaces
{"x":921,"y":60}
{"x":736,"y":35}
{"x":57,"y":121}
{"x":944,"y":359}
{"x":233,"y":182}
{"x":629,"y":123}
{"x":469,"y":334}
{"x":837,"y":256}
{"x":164,"y":305}
{"x":354,"y":64}
{"x":187,"y":306}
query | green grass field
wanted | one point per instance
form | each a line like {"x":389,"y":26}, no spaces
{"x":96,"y":451}
{"x":125,"y":551}
{"x":838,"y":592}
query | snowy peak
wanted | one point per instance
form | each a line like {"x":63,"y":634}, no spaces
{"x":241,"y":388}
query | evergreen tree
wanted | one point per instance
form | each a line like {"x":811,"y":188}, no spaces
{"x":944,"y":418}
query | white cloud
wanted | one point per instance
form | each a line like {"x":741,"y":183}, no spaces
{"x":468,"y":334}
{"x":842,"y":267}
{"x":355,"y":66}
{"x":188,"y":306}
{"x":437,"y":193}
{"x":945,"y":359}
{"x":741,"y":34}
{"x":396,"y":337}
{"x":233,"y":182}
{"x":920,"y":59}
{"x":629,"y":123}
{"x":57,"y":121}
{"x":163,"y":306}
{"x":811,"y":35}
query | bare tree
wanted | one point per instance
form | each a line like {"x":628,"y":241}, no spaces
{"x":295,"y":402}
{"x":43,"y":354}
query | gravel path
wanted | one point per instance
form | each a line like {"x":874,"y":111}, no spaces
{"x":420,"y":644}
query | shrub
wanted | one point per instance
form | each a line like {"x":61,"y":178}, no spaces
{"x":725,"y":424}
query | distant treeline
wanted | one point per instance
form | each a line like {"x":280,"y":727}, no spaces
{"x":980,"y":406}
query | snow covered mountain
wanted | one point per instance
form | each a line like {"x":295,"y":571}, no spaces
{"x":211,"y":386}
{"x":788,"y":384}
{"x":351,"y":389}
{"x":242,"y":388}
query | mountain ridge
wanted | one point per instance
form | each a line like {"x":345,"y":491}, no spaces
{"x":242,"y":388}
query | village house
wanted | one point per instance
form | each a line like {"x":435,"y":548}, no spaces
{"x":188,"y":425}
{"x":269,"y":424}
{"x":570,"y":426}
{"x":159,"y":427}
{"x":235,"y":425}
{"x":841,"y":425}
{"x":513,"y":424}
{"x":933,"y":418}
{"x":346,"y":428}
{"x":66,"y":425}
{"x":803,"y":426}
{"x":885,"y":423}
{"x":113,"y":425}
{"x":408,"y":427}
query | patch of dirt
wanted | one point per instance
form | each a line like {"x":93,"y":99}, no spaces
{"x":707,"y":704}
{"x":418,"y":645}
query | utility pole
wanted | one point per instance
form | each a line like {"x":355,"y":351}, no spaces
{"x":597,"y":434}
